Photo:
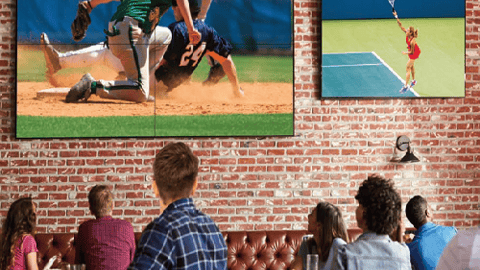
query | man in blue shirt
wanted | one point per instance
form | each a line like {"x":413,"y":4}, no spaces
{"x":182,"y":237}
{"x":430,"y":239}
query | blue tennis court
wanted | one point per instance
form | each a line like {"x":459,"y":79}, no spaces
{"x":362,"y":74}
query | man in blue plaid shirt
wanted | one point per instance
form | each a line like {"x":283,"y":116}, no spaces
{"x":182,"y":237}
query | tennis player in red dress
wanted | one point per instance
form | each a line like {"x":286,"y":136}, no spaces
{"x":413,"y":53}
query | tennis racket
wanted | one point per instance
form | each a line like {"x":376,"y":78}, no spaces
{"x":392,"y":3}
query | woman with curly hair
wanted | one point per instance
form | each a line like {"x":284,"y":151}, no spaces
{"x":18,"y":249}
{"x":378,"y":214}
{"x":326,"y":224}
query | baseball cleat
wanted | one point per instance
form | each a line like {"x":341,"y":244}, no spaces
{"x":52,"y":57}
{"x":81,"y":90}
{"x":215,"y":74}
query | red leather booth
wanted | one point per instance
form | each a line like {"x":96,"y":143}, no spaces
{"x":274,"y":250}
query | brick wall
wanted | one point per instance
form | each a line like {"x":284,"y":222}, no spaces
{"x":262,"y":183}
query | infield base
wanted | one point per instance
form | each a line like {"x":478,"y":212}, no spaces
{"x":53,"y":92}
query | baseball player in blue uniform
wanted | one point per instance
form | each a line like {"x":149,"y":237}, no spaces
{"x":133,"y":36}
{"x":182,"y":57}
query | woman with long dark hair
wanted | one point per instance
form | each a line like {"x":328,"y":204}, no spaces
{"x":18,"y":249}
{"x":326,"y":224}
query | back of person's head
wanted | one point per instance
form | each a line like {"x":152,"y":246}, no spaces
{"x":381,"y":203}
{"x":175,"y":170}
{"x":101,"y":201}
{"x":332,"y":226}
{"x":21,"y":219}
{"x":416,"y":211}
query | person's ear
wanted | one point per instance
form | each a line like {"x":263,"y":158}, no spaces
{"x":195,"y":184}
{"x":155,"y":189}
{"x":428,"y":213}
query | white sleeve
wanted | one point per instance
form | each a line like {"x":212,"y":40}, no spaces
{"x":449,"y":256}
{"x":458,"y":254}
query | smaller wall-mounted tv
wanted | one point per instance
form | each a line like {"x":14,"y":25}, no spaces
{"x":365,"y":51}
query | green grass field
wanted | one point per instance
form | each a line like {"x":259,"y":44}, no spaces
{"x":31,"y":66}
{"x":169,"y":126}
{"x":440,"y":68}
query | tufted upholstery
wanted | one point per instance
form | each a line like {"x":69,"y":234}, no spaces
{"x":273,"y":250}
{"x":253,"y":250}
{"x":60,"y":244}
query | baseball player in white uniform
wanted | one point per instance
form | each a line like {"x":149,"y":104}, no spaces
{"x":139,"y":43}
{"x":100,"y":54}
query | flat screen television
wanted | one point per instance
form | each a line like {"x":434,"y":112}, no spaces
{"x":50,"y":64}
{"x":365,"y":50}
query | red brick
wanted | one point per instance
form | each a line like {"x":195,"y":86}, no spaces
{"x":134,"y":195}
{"x":338,"y":143}
{"x":152,"y":212}
{"x":47,"y":221}
{"x":53,"y":213}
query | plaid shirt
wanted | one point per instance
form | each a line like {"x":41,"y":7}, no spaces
{"x":182,"y":237}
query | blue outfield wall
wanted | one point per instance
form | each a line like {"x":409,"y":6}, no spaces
{"x":249,"y":24}
{"x":381,"y":9}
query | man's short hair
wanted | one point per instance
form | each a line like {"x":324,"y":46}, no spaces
{"x":382,"y":204}
{"x":101,"y":201}
{"x":175,"y":170}
{"x":415,"y":211}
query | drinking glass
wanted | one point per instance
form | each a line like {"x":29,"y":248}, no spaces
{"x":78,"y":267}
{"x":312,"y":262}
{"x":74,"y":267}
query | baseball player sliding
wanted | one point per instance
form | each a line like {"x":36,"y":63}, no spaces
{"x":132,"y":35}
{"x":183,"y":57}
{"x":101,"y":54}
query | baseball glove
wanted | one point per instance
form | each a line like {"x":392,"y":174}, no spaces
{"x":82,"y":21}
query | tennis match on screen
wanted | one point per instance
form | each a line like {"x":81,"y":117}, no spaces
{"x":393,"y":49}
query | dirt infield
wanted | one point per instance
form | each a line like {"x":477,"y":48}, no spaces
{"x":189,"y":99}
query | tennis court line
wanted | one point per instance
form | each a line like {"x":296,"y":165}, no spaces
{"x":391,"y":70}
{"x":357,"y":65}
{"x":382,"y":62}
